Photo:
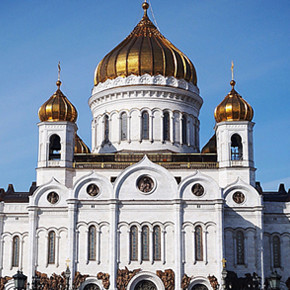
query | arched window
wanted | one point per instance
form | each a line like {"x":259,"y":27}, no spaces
{"x":198,"y":243}
{"x":145,"y":126}
{"x":145,"y":243}
{"x":51,"y":247}
{"x":92,"y":244}
{"x":54,"y":147}
{"x":123,"y":126}
{"x":184,"y":129}
{"x":236,"y":147}
{"x":106,"y":128}
{"x":134,"y":243}
{"x":157,"y":243}
{"x":276,"y":252}
{"x":15,"y":252}
{"x":240,"y":245}
{"x":166,"y":127}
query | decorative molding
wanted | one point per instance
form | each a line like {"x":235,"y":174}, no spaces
{"x":145,"y":79}
{"x":105,"y":277}
{"x":167,"y":278}
{"x":213,"y":282}
{"x":124,"y":276}
{"x":185,"y":281}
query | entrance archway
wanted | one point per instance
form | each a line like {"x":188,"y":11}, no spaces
{"x":92,"y":286}
{"x":145,"y":285}
{"x":199,"y":287}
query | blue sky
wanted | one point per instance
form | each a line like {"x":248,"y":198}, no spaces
{"x":36,"y":34}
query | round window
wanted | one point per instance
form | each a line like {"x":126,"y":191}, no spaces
{"x":53,"y":197}
{"x":93,"y":189}
{"x":238,"y":197}
{"x":197,"y":189}
{"x":145,"y":184}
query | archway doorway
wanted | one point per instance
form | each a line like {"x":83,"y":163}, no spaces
{"x":92,"y":286}
{"x":145,"y":285}
{"x":199,"y":287}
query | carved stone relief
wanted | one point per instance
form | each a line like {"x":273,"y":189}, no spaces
{"x":105,"y":277}
{"x":213,"y":282}
{"x":167,"y":278}
{"x":238,"y":197}
{"x":124,"y":276}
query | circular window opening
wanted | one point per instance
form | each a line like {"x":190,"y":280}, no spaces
{"x":92,"y":286}
{"x":53,"y":197}
{"x":197,"y":189}
{"x":238,"y":197}
{"x":93,"y":189}
{"x":145,"y":184}
{"x":145,"y":285}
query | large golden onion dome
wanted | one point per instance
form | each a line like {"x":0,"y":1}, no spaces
{"x":233,"y":108}
{"x":80,"y":146}
{"x":57,"y":108}
{"x":145,"y":51}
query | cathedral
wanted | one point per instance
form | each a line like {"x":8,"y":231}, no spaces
{"x":144,"y":206}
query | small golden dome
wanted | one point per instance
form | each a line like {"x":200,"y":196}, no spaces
{"x":57,"y":108}
{"x":233,"y":108}
{"x":210,"y":146}
{"x":145,"y":51}
{"x":80,"y":146}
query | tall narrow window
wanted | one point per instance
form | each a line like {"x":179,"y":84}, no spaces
{"x":145,"y":126}
{"x":92,"y":243}
{"x":184,"y":129}
{"x":134,"y":243}
{"x":157,"y":243}
{"x":145,"y":243}
{"x":54,"y":147}
{"x":240,"y":244}
{"x":15,"y":252}
{"x":276,"y":252}
{"x":166,"y":127}
{"x":236,"y":147}
{"x":51,"y":248}
{"x":123,"y":126}
{"x":198,"y":243}
{"x":106,"y":128}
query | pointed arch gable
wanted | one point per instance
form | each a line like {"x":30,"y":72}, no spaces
{"x":104,"y":186}
{"x":211,"y":188}
{"x":165,"y":185}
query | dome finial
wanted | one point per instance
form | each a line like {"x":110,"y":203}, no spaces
{"x":232,"y":81}
{"x":58,"y":83}
{"x":145,"y":6}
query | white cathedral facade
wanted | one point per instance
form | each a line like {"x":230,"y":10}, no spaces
{"x":146,"y":208}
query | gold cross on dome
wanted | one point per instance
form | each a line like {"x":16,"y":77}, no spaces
{"x":232,"y":69}
{"x":224,"y":261}
{"x":59,"y":69}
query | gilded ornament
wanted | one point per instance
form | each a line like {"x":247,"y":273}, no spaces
{"x":233,"y":108}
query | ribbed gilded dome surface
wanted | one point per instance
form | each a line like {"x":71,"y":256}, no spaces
{"x":233,"y":108}
{"x":145,"y":51}
{"x":80,"y":146}
{"x":57,"y":108}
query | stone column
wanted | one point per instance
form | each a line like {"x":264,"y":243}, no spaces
{"x":72,"y":247}
{"x":178,"y":244}
{"x":113,"y":243}
{"x":32,"y":215}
